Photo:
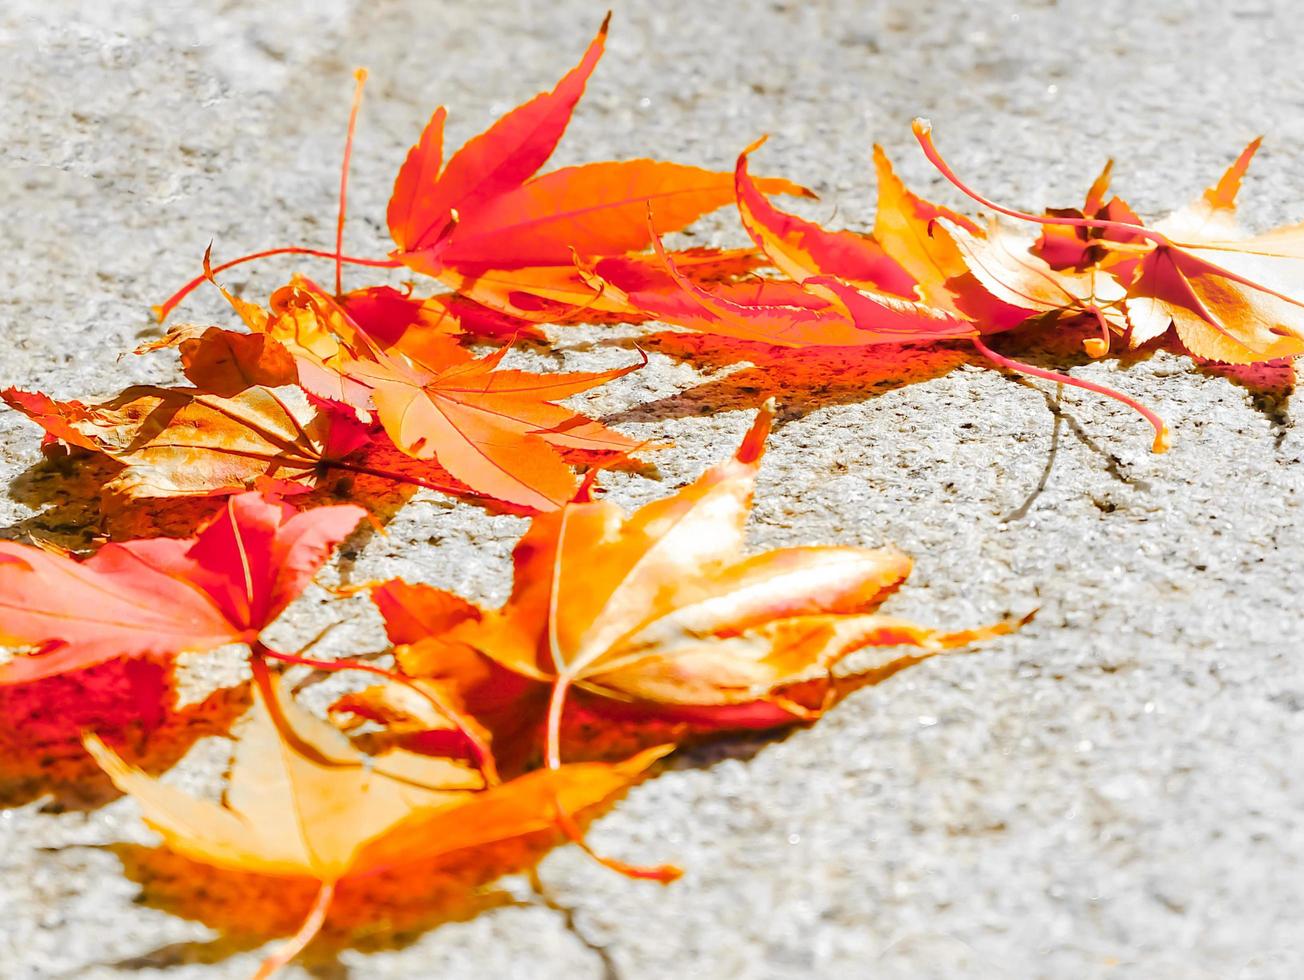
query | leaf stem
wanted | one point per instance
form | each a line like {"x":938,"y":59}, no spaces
{"x":664,"y":873}
{"x":1161,"y":430}
{"x":164,"y":310}
{"x":360,"y":76}
{"x":1098,"y":346}
{"x":306,"y":933}
{"x":923,"y":131}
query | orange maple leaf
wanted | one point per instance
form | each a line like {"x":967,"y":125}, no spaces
{"x":225,"y":362}
{"x":855,"y":290}
{"x":487,"y":709}
{"x":660,"y":610}
{"x":963,"y":284}
{"x":801,"y":249}
{"x":495,"y":430}
{"x":301,"y":802}
{"x":659,"y":606}
{"x":491,"y":229}
{"x":1074,"y":246}
{"x":487,"y":226}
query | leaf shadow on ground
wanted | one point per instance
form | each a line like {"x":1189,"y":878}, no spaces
{"x":130,"y":703}
{"x":804,"y":380}
{"x":801,"y":381}
{"x":1061,"y":350}
{"x":1269,"y":387}
{"x":866,"y":669}
{"x":1269,"y":384}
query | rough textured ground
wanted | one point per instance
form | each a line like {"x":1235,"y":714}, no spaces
{"x":1113,"y":793}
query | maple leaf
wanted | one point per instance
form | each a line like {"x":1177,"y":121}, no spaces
{"x":1009,"y":268}
{"x":63,"y":422}
{"x":855,"y":290}
{"x":904,"y":225}
{"x":318,"y":330}
{"x":1075,"y":246}
{"x":596,"y":290}
{"x":182,"y":442}
{"x":540,"y":294}
{"x":485,"y":709}
{"x":1232,"y":299}
{"x":660,"y":609}
{"x":495,"y":430}
{"x":483,"y":214}
{"x":301,"y":802}
{"x":324,"y":334}
{"x":425,"y":329}
{"x":498,"y":160}
{"x":915,"y":233}
{"x":489,"y":228}
{"x":156,"y":597}
{"x":1012,"y":271}
{"x":1016,"y":273}
{"x":660,"y":605}
{"x":769,"y":311}
{"x":488,"y":323}
{"x":596,"y":209}
{"x":332,"y":330}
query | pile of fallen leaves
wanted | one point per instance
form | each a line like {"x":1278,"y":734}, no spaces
{"x":625,"y":635}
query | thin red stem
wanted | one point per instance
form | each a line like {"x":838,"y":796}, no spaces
{"x":302,"y":661}
{"x":484,"y":757}
{"x":923,"y":131}
{"x":1161,"y":430}
{"x":306,"y":933}
{"x":164,"y":310}
{"x":361,"y":78}
{"x":664,"y":873}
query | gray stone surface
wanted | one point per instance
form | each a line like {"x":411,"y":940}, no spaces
{"x":1113,"y":793}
